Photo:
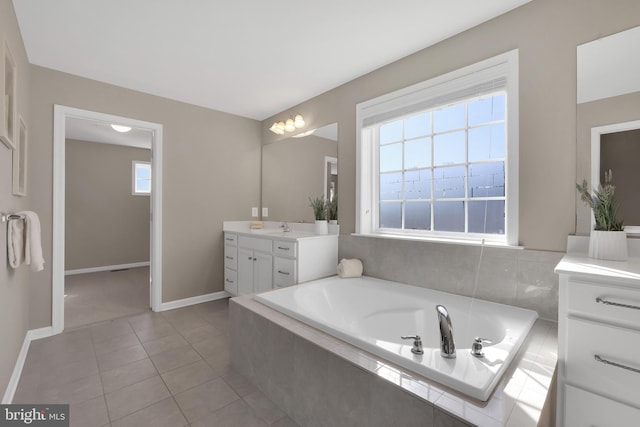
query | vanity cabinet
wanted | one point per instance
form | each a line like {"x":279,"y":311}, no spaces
{"x":255,"y":263}
{"x":599,"y":342}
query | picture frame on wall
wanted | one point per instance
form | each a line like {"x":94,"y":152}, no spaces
{"x":8,"y":91}
{"x":20,"y":160}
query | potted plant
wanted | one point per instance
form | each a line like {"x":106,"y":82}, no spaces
{"x":332,"y":210}
{"x":608,"y":239}
{"x":319,"y":206}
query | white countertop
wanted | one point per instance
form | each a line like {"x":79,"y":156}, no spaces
{"x":273,"y":229}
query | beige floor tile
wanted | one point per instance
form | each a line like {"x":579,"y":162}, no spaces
{"x":110,"y":329}
{"x":90,"y":413}
{"x":73,"y":392}
{"x":201,"y":333}
{"x":115,"y":359}
{"x":202,"y":401}
{"x":239,"y":383}
{"x":137,"y":396}
{"x":128,"y":374}
{"x":116,"y":343}
{"x":163,"y":344}
{"x":175,"y":358}
{"x":212,"y":345}
{"x":162,"y":414}
{"x":156,"y":331}
{"x":69,"y":372}
{"x":186,"y":377}
{"x":235,"y":414}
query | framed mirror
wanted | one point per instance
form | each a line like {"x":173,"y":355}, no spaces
{"x":296,"y":168}
{"x":608,"y":121}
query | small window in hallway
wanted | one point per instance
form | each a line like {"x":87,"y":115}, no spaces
{"x":141,"y":178}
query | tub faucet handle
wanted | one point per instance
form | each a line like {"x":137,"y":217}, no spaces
{"x":476,"y":347}
{"x":417,"y":343}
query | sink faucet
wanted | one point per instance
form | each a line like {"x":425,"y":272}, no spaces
{"x":285,"y":227}
{"x":447,"y":346}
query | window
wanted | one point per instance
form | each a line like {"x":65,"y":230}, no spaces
{"x":141,"y":178}
{"x":439,"y":159}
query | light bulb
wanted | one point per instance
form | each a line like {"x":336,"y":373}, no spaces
{"x":281,"y":128}
{"x":275,"y":129}
{"x":289,"y":126}
{"x":120,"y":128}
{"x":299,"y":121}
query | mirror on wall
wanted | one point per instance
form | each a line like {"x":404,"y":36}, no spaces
{"x":297,"y":168}
{"x":608,"y":121}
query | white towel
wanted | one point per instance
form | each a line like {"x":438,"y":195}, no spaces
{"x":15,"y":242}
{"x":350,"y":268}
{"x":32,"y":241}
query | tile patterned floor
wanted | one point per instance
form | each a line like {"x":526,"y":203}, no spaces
{"x":105,"y":295}
{"x":153,"y":369}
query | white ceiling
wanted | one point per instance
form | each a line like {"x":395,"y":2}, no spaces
{"x":98,"y":131}
{"x":252,"y":58}
{"x":609,"y":66}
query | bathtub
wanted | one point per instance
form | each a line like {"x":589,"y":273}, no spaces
{"x":372,"y":314}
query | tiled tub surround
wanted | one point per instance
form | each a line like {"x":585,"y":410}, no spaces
{"x":373,"y":314}
{"x":519,"y":277}
{"x":319,"y":380}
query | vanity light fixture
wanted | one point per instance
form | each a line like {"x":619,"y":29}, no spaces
{"x":279,"y":128}
{"x":120,"y":128}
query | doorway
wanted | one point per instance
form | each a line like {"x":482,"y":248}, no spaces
{"x":62,"y":117}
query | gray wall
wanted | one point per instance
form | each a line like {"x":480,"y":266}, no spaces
{"x":293,"y":171}
{"x":105,"y":224}
{"x":14,"y":284}
{"x":211,"y":174}
{"x":546,"y":32}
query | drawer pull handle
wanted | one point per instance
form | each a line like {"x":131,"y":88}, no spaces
{"x":617,"y":365}
{"x":230,"y":239}
{"x":616,"y":304}
{"x":283,"y":249}
{"x":229,"y":281}
{"x":229,"y":257}
{"x":286,"y":273}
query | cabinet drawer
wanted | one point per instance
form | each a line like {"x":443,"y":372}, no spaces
{"x":231,"y":257}
{"x":284,"y":272}
{"x":585,"y":409}
{"x":585,"y":341}
{"x":255,"y":243}
{"x":230,"y":239}
{"x":284,"y":247}
{"x":583,"y":300}
{"x":231,"y":281}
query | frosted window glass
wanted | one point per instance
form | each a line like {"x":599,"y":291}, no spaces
{"x":416,"y":126}
{"x":391,"y":132}
{"x":449,"y":118}
{"x":391,"y":186}
{"x":486,"y":142}
{"x":486,"y":216}
{"x":486,"y":180}
{"x":391,"y":215}
{"x":391,"y":157}
{"x":449,"y":182}
{"x":417,"y":153}
{"x":449,"y":148}
{"x":417,"y":216}
{"x":448,"y":216}
{"x":486,"y":110}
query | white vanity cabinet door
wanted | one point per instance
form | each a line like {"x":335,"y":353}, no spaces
{"x":255,"y":271}
{"x":245,"y":271}
{"x":584,"y":409}
{"x":263,"y":272}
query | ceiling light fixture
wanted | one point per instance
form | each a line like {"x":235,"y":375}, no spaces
{"x":120,"y":128}
{"x":279,"y":128}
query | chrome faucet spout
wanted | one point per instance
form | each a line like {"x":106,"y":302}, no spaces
{"x":447,"y":344}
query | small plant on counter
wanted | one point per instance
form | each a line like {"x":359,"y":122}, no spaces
{"x":332,"y":209}
{"x":603,"y":204}
{"x":319,"y":206}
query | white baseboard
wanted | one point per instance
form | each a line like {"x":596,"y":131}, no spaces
{"x":31,"y":335}
{"x":107,"y":268}
{"x":194,"y":300}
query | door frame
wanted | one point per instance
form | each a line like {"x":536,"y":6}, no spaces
{"x":61,"y":113}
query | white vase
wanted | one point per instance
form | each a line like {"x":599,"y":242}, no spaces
{"x":608,"y":245}
{"x":322,"y":227}
{"x":333,"y":222}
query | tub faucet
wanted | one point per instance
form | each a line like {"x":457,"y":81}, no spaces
{"x":447,"y":345}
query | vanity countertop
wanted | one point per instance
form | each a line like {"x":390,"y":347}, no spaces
{"x":581,"y":265}
{"x":273,"y":230}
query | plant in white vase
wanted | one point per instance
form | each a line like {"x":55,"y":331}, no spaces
{"x":319,"y":206}
{"x":608,"y":238}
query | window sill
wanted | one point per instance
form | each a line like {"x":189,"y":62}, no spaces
{"x":434,"y":239}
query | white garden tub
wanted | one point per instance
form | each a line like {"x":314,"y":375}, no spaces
{"x":372,"y":314}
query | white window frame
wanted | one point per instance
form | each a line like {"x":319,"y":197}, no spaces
{"x":502,"y":68}
{"x":134,"y":191}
